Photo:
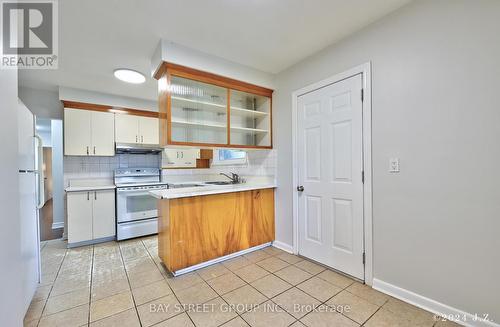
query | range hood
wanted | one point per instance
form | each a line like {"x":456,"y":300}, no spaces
{"x":138,"y":148}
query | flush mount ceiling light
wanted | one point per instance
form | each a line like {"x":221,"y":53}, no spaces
{"x":129,"y":76}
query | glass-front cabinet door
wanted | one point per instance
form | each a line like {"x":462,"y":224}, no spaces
{"x":250,"y":119}
{"x":202,"y":109}
{"x":198,"y":112}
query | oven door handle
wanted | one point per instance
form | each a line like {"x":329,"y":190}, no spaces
{"x":132,"y":191}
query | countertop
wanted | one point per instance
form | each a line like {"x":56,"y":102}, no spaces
{"x":185,"y":192}
{"x":83,"y":185}
{"x":89,"y":188}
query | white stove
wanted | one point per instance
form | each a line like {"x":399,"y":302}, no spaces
{"x":136,"y":209}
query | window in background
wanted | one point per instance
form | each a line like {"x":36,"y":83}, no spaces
{"x":229,"y":157}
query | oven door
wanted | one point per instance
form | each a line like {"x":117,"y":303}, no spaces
{"x":135,"y":204}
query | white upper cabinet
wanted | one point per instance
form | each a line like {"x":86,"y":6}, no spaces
{"x":126,"y":129}
{"x":136,"y":129}
{"x":180,"y":158}
{"x":77,"y":135}
{"x":149,"y":130}
{"x":103,"y":133}
{"x":88,"y":133}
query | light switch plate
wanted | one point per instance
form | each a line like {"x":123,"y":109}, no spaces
{"x":394,"y":165}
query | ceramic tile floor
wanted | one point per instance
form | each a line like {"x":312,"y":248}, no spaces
{"x":123,"y":284}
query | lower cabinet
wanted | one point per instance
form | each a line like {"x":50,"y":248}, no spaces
{"x":91,"y":215}
{"x":79,"y":205}
{"x":103,"y":214}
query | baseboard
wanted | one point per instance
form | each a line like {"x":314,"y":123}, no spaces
{"x":283,"y":246}
{"x":58,"y":225}
{"x":430,"y":304}
{"x":90,"y":242}
{"x":217,"y":260}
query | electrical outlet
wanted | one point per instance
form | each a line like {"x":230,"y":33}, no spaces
{"x":394,"y":165}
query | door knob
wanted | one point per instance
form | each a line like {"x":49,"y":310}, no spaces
{"x":300,"y":188}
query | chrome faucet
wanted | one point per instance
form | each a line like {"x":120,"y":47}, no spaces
{"x":235,"y":178}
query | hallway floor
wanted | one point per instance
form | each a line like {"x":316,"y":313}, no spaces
{"x":123,"y":284}
{"x":46,"y":220}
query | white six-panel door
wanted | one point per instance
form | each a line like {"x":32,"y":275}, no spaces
{"x":330,"y":164}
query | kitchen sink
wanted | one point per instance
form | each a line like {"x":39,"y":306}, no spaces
{"x":183,"y":185}
{"x":220,"y":183}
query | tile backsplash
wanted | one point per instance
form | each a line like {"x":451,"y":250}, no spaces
{"x":260,"y":163}
{"x":103,"y":167}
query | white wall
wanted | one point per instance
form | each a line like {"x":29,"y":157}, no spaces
{"x":435,"y":76}
{"x":57,"y":174}
{"x":42,"y":129}
{"x":70,"y":94}
{"x":12,"y":308}
{"x":41,"y":103}
{"x":184,"y":56}
{"x":46,"y":138}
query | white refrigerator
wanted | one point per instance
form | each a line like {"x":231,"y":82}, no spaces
{"x":29,"y":200}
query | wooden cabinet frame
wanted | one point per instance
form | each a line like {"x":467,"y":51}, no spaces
{"x":164,"y":77}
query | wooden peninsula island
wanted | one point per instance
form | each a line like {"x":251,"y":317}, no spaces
{"x":199,"y":226}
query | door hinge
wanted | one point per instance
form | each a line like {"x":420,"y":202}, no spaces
{"x":364,"y":258}
{"x":363,"y":177}
{"x":362,"y":95}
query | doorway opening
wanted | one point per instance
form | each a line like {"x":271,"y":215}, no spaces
{"x":51,"y":223}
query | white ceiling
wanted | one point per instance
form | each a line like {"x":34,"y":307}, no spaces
{"x":97,"y":36}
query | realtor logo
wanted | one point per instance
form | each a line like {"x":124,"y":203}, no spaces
{"x":29,"y":34}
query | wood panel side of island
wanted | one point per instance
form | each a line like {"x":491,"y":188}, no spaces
{"x":164,"y":231}
{"x":197,"y":229}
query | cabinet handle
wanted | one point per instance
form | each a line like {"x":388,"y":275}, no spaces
{"x":88,"y":196}
{"x":142,"y":139}
{"x":94,"y":149}
{"x":300,"y":188}
{"x":177,"y":154}
{"x":87,"y":150}
{"x":182,"y":154}
{"x":95,"y":195}
{"x":136,"y":139}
